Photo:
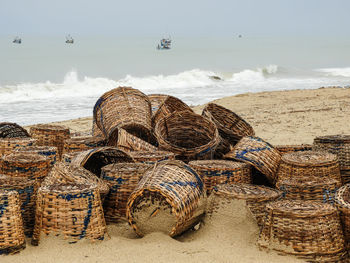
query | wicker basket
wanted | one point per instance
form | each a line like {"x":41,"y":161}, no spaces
{"x":26,"y":190}
{"x":257,"y":197}
{"x":169,"y":105}
{"x":47,"y":151}
{"x":93,"y":160}
{"x":8,"y":145}
{"x":78,"y":144}
{"x":12,"y":130}
{"x":214,"y":172}
{"x":11,"y":225}
{"x":231,"y":126}
{"x":72,"y":210}
{"x":122,"y":179}
{"x":336,"y":144}
{"x":293,"y":148}
{"x":170,"y":198}
{"x":260,"y":154}
{"x":50,"y":135}
{"x":188,"y":135}
{"x":30,"y":165}
{"x":68,"y":157}
{"x":342,"y":200}
{"x":309,"y":188}
{"x":126,"y":108}
{"x":156,"y":100}
{"x":151,"y":157}
{"x":309,"y":164}
{"x":96,"y":132}
{"x":304,"y":228}
{"x":128,"y":142}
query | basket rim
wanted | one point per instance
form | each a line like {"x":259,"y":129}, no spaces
{"x":218,"y":164}
{"x":337,"y":138}
{"x":25,"y":157}
{"x":49,"y":127}
{"x":288,"y":158}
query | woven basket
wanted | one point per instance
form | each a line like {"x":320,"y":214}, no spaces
{"x":293,"y":148}
{"x":156,"y":100}
{"x":11,"y":225}
{"x":345,"y":176}
{"x":26,"y":190}
{"x":151,"y":157}
{"x":257,"y":197}
{"x":188,"y":135}
{"x":303,"y":228}
{"x":260,"y":154}
{"x":170,"y":198}
{"x":309,"y":164}
{"x":128,"y":142}
{"x":68,"y":157}
{"x":63,"y":173}
{"x":47,"y":151}
{"x":342,"y":200}
{"x":309,"y":188}
{"x":50,"y":135}
{"x":169,"y":105}
{"x":231,"y":126}
{"x":214,"y":172}
{"x":93,"y":160}
{"x":122,"y":179}
{"x":126,"y":108}
{"x":8,"y":145}
{"x":336,"y":144}
{"x":30,"y":165}
{"x":72,"y":210}
{"x":12,"y":130}
{"x":78,"y":144}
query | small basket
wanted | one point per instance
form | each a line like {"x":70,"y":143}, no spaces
{"x":188,"y":135}
{"x":336,"y":144}
{"x":257,"y":197}
{"x":128,"y":142}
{"x":47,"y":151}
{"x":342,"y":200}
{"x":126,"y":108}
{"x":8,"y":145}
{"x":170,"y":198}
{"x":11,"y":235}
{"x":12,"y":130}
{"x":231,"y":126}
{"x":26,"y":190}
{"x":156,"y":100}
{"x":122,"y":179}
{"x":260,"y":154}
{"x":50,"y":135}
{"x":93,"y":160}
{"x":214,"y":172}
{"x":310,"y":230}
{"x":151,"y":157}
{"x":72,"y":210}
{"x":82,"y":143}
{"x":293,"y":148}
{"x":309,"y":164}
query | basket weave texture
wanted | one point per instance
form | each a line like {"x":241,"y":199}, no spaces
{"x":169,"y":198}
{"x":122,"y":179}
{"x":231,"y":126}
{"x":11,"y":225}
{"x":8,"y":145}
{"x":128,"y":142}
{"x":260,"y":154}
{"x":47,"y":151}
{"x":156,"y":100}
{"x":303,"y":228}
{"x":188,"y":135}
{"x":336,"y":144}
{"x":124,"y":107}
{"x":26,"y":190}
{"x":257,"y":197}
{"x":345,"y":176}
{"x":342,"y":200}
{"x":50,"y":135}
{"x":151,"y":157}
{"x":78,"y":144}
{"x":72,"y":210}
{"x":12,"y":130}
{"x":293,"y":148}
{"x":214,"y":172}
{"x":96,"y":132}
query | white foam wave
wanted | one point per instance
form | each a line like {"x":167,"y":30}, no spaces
{"x":336,"y":72}
{"x":252,"y":76}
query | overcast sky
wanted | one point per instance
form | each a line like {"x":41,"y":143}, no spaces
{"x":177,"y":17}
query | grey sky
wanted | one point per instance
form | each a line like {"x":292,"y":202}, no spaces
{"x":177,"y":17}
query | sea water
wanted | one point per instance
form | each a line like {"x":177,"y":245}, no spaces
{"x":44,"y":79}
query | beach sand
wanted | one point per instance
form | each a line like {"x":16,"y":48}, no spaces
{"x":282,"y":117}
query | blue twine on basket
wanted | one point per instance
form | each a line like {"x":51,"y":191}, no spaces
{"x":241,"y":154}
{"x":23,"y":169}
{"x":3,"y":206}
{"x":199,"y":180}
{"x":29,"y":190}
{"x":327,"y":195}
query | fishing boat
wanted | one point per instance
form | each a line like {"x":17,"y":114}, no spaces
{"x":165,"y":43}
{"x":69,"y":39}
{"x":17,"y":40}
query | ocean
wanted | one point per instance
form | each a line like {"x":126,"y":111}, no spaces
{"x":44,"y":79}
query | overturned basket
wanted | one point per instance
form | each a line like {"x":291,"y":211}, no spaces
{"x":188,"y":135}
{"x":82,"y":143}
{"x":12,"y":130}
{"x":170,"y":198}
{"x":128,"y":142}
{"x":151,"y":157}
{"x":8,"y":145}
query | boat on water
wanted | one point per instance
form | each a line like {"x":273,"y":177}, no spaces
{"x":69,"y":39}
{"x":165,"y":43}
{"x":17,"y":40}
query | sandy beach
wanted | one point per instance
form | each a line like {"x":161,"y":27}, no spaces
{"x":280,"y":117}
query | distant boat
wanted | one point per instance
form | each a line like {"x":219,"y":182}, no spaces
{"x":69,"y":39}
{"x":165,"y":43}
{"x":17,"y":40}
